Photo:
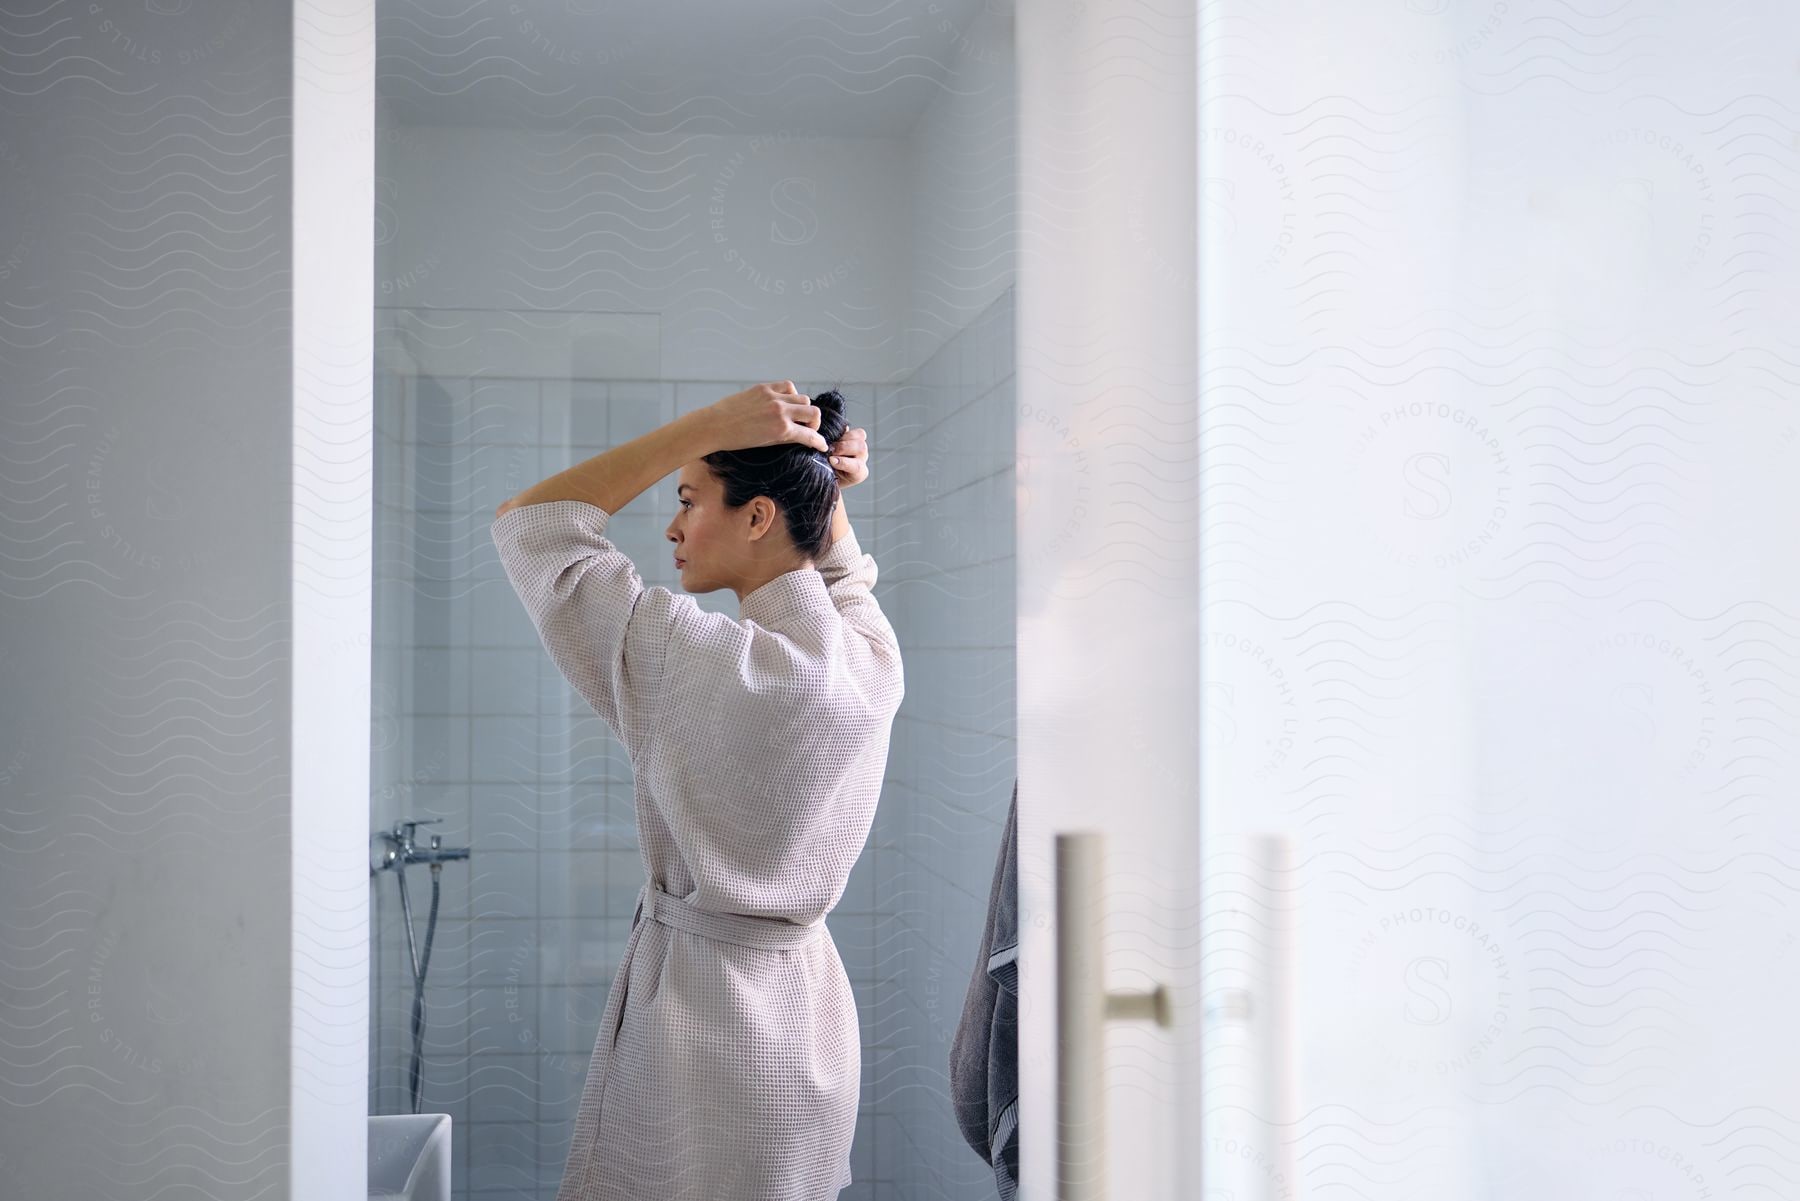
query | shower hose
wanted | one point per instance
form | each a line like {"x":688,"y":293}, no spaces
{"x":420,"y":964}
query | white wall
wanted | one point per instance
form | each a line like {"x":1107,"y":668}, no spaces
{"x":765,"y":256}
{"x":180,"y":1001}
{"x":961,"y":168}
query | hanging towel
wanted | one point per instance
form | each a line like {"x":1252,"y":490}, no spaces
{"x":984,"y":1056}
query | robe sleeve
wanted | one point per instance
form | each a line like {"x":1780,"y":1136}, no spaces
{"x":607,"y":633}
{"x":850,"y":576}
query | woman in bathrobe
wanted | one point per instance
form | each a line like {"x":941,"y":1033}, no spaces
{"x":728,"y":1064}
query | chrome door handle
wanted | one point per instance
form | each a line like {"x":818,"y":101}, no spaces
{"x":1083,"y":1007}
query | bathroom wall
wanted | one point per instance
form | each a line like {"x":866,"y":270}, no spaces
{"x":764,"y":255}
{"x":944,"y":502}
{"x":945,"y":499}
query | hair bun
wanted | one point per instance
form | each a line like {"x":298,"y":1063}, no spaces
{"x":832,"y":424}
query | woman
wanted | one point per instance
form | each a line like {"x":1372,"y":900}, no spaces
{"x":729,"y":1062}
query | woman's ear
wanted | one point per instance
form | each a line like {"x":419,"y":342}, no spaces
{"x":762,"y":516}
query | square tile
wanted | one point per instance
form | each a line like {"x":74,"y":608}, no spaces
{"x":438,"y":679}
{"x":890,"y":1151}
{"x":504,"y":412}
{"x":438,"y":410}
{"x":572,"y":883}
{"x":502,"y":1088}
{"x":503,"y":952}
{"x":439,"y":477}
{"x":503,"y":884}
{"x":496,"y":616}
{"x":440,"y":748}
{"x":569,"y":1020}
{"x":504,"y":749}
{"x":435,"y":547}
{"x":556,"y":411}
{"x":587,"y":415}
{"x":449,"y":942}
{"x":857,"y":894}
{"x":504,"y":817}
{"x":581,"y":951}
{"x":593,"y":753}
{"x":390,"y":392}
{"x":440,"y":611}
{"x":504,"y":1156}
{"x":497,"y":473}
{"x":625,"y":878}
{"x":635,"y":407}
{"x":555,"y":696}
{"x":559,"y":1083}
{"x":504,"y":681}
{"x":576,"y":816}
{"x":503,"y":1020}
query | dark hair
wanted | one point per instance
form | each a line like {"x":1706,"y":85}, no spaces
{"x":798,"y":478}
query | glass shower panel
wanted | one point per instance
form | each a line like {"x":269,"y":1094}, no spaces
{"x":475,"y":731}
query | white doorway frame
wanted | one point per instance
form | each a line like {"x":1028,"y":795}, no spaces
{"x":332,"y":574}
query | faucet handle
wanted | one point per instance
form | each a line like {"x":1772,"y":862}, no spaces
{"x":408,"y":828}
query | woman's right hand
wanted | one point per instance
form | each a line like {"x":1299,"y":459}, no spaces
{"x":850,"y":457}
{"x":764,"y":415}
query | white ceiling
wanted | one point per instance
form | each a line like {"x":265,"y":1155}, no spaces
{"x":852,"y":68}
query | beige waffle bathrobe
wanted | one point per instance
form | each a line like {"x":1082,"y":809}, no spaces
{"x":728,"y":1064}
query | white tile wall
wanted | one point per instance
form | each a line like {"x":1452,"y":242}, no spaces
{"x":941,"y":475}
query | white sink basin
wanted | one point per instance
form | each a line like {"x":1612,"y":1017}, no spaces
{"x":409,"y":1157}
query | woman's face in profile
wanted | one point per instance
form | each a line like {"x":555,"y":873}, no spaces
{"x":701,"y":532}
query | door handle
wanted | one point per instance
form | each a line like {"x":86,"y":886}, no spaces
{"x":1084,"y":1006}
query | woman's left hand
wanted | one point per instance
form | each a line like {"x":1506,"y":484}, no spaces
{"x":766,"y":415}
{"x":850,"y":457}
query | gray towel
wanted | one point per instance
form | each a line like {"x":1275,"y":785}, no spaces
{"x":984,"y":1056}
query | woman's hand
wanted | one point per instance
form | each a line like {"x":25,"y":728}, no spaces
{"x":850,"y":457}
{"x":765,"y":415}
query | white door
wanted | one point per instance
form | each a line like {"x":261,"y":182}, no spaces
{"x":1108,"y":544}
{"x":1467,"y":588}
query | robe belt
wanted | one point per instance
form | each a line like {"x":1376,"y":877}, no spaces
{"x":744,"y":929}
